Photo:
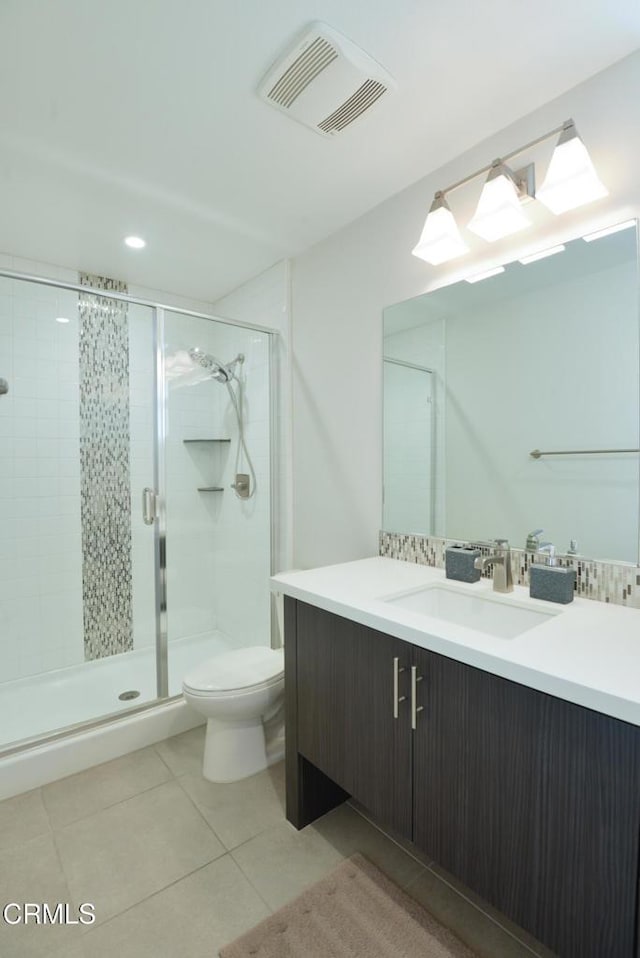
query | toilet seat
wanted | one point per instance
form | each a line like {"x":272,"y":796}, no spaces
{"x":255,"y":667}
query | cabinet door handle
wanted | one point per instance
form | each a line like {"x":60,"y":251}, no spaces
{"x":397,"y":669}
{"x":415,"y":708}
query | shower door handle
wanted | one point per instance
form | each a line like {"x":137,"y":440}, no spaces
{"x":149,"y":513}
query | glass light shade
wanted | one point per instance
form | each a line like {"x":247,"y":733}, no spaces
{"x":571,"y":179}
{"x":499,"y":212}
{"x":440,"y":240}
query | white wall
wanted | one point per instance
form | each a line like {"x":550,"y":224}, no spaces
{"x":341,"y":286}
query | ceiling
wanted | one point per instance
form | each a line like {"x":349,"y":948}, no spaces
{"x":140,"y":116}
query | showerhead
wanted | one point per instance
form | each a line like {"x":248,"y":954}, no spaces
{"x":210,"y":363}
{"x":218,"y":370}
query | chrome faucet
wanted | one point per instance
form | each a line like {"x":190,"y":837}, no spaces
{"x":500,"y":559}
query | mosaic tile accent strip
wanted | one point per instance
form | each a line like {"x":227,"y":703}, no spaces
{"x":618,"y":583}
{"x":105,"y":486}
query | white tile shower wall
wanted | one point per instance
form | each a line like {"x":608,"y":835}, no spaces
{"x":217,"y":545}
{"x":191,"y":465}
{"x":141,"y":422}
{"x":41,"y":563}
{"x":165,"y":298}
{"x":242,"y":542}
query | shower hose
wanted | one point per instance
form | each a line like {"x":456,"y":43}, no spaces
{"x":241,"y":449}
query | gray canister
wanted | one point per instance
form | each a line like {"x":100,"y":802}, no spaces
{"x":552,"y":583}
{"x":459,"y":563}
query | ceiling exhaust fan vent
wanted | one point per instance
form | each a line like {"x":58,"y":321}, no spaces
{"x":364,"y":97}
{"x":302,"y":72}
{"x":325,"y":81}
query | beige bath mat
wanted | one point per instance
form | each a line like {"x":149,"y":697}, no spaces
{"x":355,"y":912}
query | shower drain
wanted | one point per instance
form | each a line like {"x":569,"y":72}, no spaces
{"x":130,"y":694}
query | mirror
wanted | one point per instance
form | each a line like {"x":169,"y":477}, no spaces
{"x":479,"y":378}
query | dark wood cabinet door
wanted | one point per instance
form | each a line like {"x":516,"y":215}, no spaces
{"x":345,"y":714}
{"x":532,"y":802}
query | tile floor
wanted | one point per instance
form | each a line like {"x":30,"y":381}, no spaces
{"x":177,"y":866}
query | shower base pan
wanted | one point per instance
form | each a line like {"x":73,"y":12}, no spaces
{"x":41,"y":705}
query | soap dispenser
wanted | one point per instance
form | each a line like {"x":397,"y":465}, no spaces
{"x":549,"y":581}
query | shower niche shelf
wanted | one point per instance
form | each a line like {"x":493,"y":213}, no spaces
{"x":204,"y":440}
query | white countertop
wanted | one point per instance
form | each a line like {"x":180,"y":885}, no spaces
{"x":586,"y":652}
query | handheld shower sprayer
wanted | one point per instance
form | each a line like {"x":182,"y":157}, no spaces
{"x":244,"y":487}
{"x":222,"y":372}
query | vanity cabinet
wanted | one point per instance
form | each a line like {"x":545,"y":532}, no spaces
{"x":346,"y":725}
{"x":529,"y":800}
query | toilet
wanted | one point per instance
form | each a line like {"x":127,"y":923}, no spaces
{"x":236,"y":691}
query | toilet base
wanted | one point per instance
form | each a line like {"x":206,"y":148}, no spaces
{"x":234,"y":750}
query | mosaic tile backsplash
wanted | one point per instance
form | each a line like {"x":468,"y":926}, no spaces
{"x":105,"y":485}
{"x":602,"y":581}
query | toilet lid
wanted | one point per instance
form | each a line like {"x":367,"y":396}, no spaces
{"x":238,"y":669}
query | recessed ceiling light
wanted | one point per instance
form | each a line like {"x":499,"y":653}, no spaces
{"x":135,"y":242}
{"x":62,"y":319}
{"x":486,"y":275}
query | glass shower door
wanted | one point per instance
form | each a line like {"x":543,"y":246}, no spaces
{"x":218,"y":489}
{"x":409,"y":487}
{"x":77,"y":599}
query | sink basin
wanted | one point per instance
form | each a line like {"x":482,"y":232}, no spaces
{"x":502,"y":620}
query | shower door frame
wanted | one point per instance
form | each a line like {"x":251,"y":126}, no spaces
{"x":158,"y":310}
{"x":433,"y":426}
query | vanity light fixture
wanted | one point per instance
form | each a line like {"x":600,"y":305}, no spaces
{"x":478,"y":277}
{"x":499,"y":212}
{"x":542,"y":254}
{"x":571,"y":181}
{"x":440,"y":240}
{"x":62,"y":319}
{"x":608,"y":230}
{"x":135,"y":242}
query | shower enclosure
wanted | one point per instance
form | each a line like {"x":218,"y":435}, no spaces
{"x":136,"y":444}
